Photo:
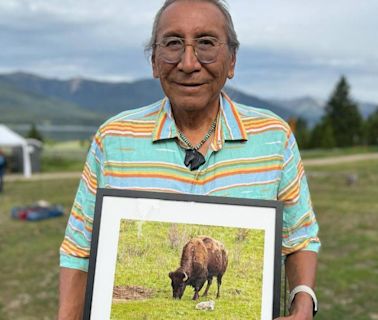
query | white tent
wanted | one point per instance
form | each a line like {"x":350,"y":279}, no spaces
{"x":9,"y":138}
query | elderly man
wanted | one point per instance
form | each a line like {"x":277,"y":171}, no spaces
{"x":196,"y":140}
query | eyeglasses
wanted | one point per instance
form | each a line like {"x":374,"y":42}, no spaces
{"x":206,"y":49}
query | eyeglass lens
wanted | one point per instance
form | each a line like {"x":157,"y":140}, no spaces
{"x":206,"y":49}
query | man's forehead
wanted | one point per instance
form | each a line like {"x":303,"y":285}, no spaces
{"x":195,"y":18}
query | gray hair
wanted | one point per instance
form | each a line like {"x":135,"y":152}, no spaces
{"x":232,"y":38}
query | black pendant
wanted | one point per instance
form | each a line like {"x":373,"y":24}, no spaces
{"x":193,"y":159}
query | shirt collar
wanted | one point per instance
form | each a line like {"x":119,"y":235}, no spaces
{"x":229,"y":123}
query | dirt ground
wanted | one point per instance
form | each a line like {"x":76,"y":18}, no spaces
{"x":131,"y":293}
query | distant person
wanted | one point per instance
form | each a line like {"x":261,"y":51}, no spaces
{"x":3,"y":165}
{"x":196,"y":140}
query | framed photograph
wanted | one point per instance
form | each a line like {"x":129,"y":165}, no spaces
{"x":177,"y":256}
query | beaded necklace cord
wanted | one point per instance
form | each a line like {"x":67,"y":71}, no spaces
{"x":193,"y":158}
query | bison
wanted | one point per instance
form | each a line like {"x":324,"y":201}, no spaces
{"x":202,"y":259}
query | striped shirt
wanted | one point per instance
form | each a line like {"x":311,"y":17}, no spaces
{"x":253,"y":154}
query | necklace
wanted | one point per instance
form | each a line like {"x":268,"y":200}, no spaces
{"x":193,"y":158}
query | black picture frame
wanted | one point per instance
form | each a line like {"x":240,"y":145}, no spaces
{"x":113,"y":205}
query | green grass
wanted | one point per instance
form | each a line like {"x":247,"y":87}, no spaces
{"x":348,"y":229}
{"x":64,"y":156}
{"x":29,"y":251}
{"x":146,"y":254}
{"x":324,"y":153}
{"x":348,"y":265}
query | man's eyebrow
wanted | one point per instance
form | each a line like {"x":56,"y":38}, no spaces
{"x":196,"y":35}
{"x":172,"y":34}
{"x":207,"y":34}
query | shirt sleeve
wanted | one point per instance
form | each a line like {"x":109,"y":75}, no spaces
{"x":300,"y":228}
{"x":74,"y":251}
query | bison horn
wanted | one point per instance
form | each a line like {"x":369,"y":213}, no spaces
{"x":185,"y":277}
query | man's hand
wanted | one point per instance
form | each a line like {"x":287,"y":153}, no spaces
{"x":301,"y":269}
{"x":302,"y":308}
{"x":72,"y":285}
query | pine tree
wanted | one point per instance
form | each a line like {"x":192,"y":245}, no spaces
{"x":322,"y":136}
{"x":302,"y":133}
{"x":34,"y":133}
{"x":372,"y":128}
{"x":343,"y":115}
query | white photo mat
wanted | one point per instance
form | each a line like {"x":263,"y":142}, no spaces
{"x":114,"y":205}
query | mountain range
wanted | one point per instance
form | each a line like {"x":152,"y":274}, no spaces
{"x":29,"y":98}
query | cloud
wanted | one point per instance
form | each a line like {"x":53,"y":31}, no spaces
{"x":338,"y":27}
{"x":276,"y":73}
{"x":111,"y":21}
{"x":89,"y":38}
{"x":287,"y":47}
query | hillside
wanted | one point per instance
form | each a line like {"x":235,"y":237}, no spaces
{"x":101,"y":97}
{"x":20,"y":106}
{"x":31,"y":98}
{"x":111,"y":98}
{"x":249,"y":100}
{"x":305,"y":107}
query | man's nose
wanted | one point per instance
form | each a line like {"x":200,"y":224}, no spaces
{"x":189,"y":61}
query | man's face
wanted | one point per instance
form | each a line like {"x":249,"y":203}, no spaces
{"x":190,"y":85}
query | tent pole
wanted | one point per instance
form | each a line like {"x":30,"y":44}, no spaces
{"x":26,"y":160}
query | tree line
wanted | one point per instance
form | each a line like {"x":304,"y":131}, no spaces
{"x":342,"y":125}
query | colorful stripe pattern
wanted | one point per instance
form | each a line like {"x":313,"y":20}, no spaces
{"x":253,"y":154}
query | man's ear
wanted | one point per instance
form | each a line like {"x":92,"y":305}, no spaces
{"x":231,"y":69}
{"x":155,"y":71}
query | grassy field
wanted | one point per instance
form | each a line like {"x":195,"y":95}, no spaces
{"x":69,"y":155}
{"x":148,"y":252}
{"x":348,"y":218}
{"x":348,"y":265}
{"x":325,"y":153}
{"x":29,"y":250}
{"x":64,"y":156}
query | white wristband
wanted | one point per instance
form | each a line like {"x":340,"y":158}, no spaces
{"x":308,"y":290}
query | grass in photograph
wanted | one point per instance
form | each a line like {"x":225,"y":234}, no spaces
{"x":148,"y":251}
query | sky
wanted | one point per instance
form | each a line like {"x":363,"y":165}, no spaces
{"x":289,"y":48}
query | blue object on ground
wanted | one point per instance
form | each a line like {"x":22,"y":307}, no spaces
{"x":35,"y":213}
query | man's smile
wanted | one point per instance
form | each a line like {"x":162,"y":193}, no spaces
{"x":190,"y":84}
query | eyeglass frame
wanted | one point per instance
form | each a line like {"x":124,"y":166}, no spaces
{"x":184,"y":45}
